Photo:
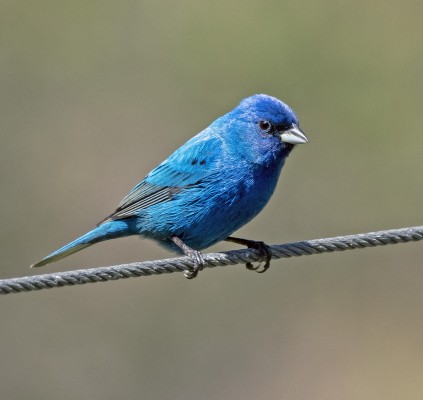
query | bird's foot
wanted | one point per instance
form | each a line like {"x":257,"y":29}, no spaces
{"x":195,"y":255}
{"x":198,"y":259}
{"x":263,"y":249}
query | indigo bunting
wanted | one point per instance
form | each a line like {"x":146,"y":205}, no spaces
{"x":208,"y":188}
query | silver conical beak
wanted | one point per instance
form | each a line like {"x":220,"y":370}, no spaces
{"x":294,"y":135}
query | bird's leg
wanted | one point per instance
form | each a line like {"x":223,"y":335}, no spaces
{"x":261,"y":247}
{"x":195,"y":255}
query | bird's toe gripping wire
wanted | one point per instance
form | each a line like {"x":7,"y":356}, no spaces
{"x":263,"y":249}
{"x":195,"y":255}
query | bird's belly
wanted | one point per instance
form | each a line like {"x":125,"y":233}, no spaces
{"x":202,"y":218}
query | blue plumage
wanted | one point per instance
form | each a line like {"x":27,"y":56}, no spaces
{"x":209,"y":187}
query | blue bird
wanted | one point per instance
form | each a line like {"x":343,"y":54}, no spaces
{"x":208,"y":188}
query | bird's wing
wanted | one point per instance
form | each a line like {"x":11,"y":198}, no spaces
{"x":187,"y":167}
{"x":142,"y":196}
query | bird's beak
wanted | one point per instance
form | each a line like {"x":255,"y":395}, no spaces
{"x":294,"y":135}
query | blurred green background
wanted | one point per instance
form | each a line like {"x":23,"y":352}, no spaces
{"x":94,"y":94}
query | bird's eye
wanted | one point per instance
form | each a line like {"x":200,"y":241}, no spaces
{"x":265,"y":126}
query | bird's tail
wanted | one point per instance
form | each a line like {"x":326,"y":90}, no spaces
{"x":106,"y":231}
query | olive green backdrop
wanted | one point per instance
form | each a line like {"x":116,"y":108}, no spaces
{"x":94,"y":94}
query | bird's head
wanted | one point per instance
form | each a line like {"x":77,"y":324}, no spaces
{"x":271,"y":119}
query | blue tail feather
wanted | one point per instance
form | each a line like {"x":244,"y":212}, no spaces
{"x":106,"y":231}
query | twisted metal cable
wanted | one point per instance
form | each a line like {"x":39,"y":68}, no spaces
{"x":123,"y":271}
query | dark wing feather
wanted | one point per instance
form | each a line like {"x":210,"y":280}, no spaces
{"x":142,"y":196}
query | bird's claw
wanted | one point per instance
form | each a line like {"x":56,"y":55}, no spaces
{"x":262,"y":248}
{"x":265,"y":254}
{"x":198,"y":260}
{"x":195,"y":256}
